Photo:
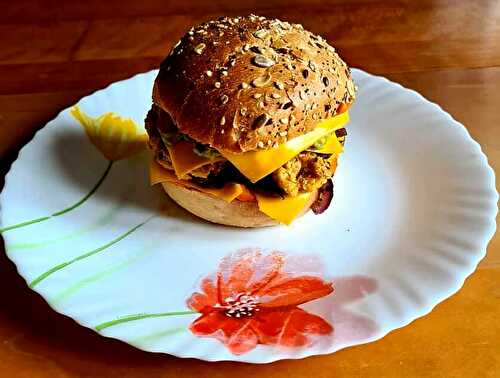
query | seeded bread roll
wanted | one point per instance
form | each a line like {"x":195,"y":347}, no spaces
{"x":246,"y":83}
{"x":216,"y":210}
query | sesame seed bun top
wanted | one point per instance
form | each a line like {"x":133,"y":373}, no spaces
{"x":244,"y":83}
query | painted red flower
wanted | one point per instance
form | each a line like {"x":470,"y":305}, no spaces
{"x":253,"y":299}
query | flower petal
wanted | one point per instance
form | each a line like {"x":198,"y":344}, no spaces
{"x":294,"y":291}
{"x":243,"y":340}
{"x":116,"y":137}
{"x":289,"y":327}
{"x":247,"y":270}
{"x":203,"y":302}
{"x":236,"y":334}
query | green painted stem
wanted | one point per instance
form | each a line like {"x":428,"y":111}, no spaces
{"x":22,"y":224}
{"x":64,"y":211}
{"x":96,"y":186}
{"x":131,"y":318}
{"x":54,"y":269}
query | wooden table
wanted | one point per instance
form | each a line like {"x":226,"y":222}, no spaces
{"x":51,"y":55}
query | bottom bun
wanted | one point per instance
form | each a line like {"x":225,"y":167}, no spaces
{"x":213,"y":209}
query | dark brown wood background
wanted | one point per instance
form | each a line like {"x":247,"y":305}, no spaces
{"x":54,"y":52}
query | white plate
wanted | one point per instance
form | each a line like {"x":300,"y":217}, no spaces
{"x":413,"y":211}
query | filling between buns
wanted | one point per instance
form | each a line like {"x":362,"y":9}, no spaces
{"x":305,"y":172}
{"x":281,"y":194}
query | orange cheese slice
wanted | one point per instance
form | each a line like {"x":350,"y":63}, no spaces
{"x":284,"y":210}
{"x":258,"y":164}
{"x":158,"y":174}
{"x":184,"y":160}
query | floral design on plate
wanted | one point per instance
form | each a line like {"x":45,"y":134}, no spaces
{"x":115,"y":137}
{"x":254,"y":299}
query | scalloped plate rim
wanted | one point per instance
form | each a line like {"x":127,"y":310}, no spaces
{"x":488,"y":233}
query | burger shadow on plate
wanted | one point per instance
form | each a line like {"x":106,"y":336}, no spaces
{"x":80,"y":164}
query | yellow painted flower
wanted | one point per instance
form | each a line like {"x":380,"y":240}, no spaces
{"x":116,"y":137}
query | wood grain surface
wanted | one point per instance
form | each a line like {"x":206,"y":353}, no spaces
{"x":52,"y":53}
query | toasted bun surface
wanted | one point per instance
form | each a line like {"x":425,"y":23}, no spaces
{"x":239,"y":84}
{"x":216,"y":210}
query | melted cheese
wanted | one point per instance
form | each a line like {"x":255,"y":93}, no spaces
{"x":184,"y":160}
{"x":158,"y":174}
{"x":284,"y":210}
{"x":258,"y":164}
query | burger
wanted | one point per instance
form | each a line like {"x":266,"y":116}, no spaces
{"x":248,"y":121}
